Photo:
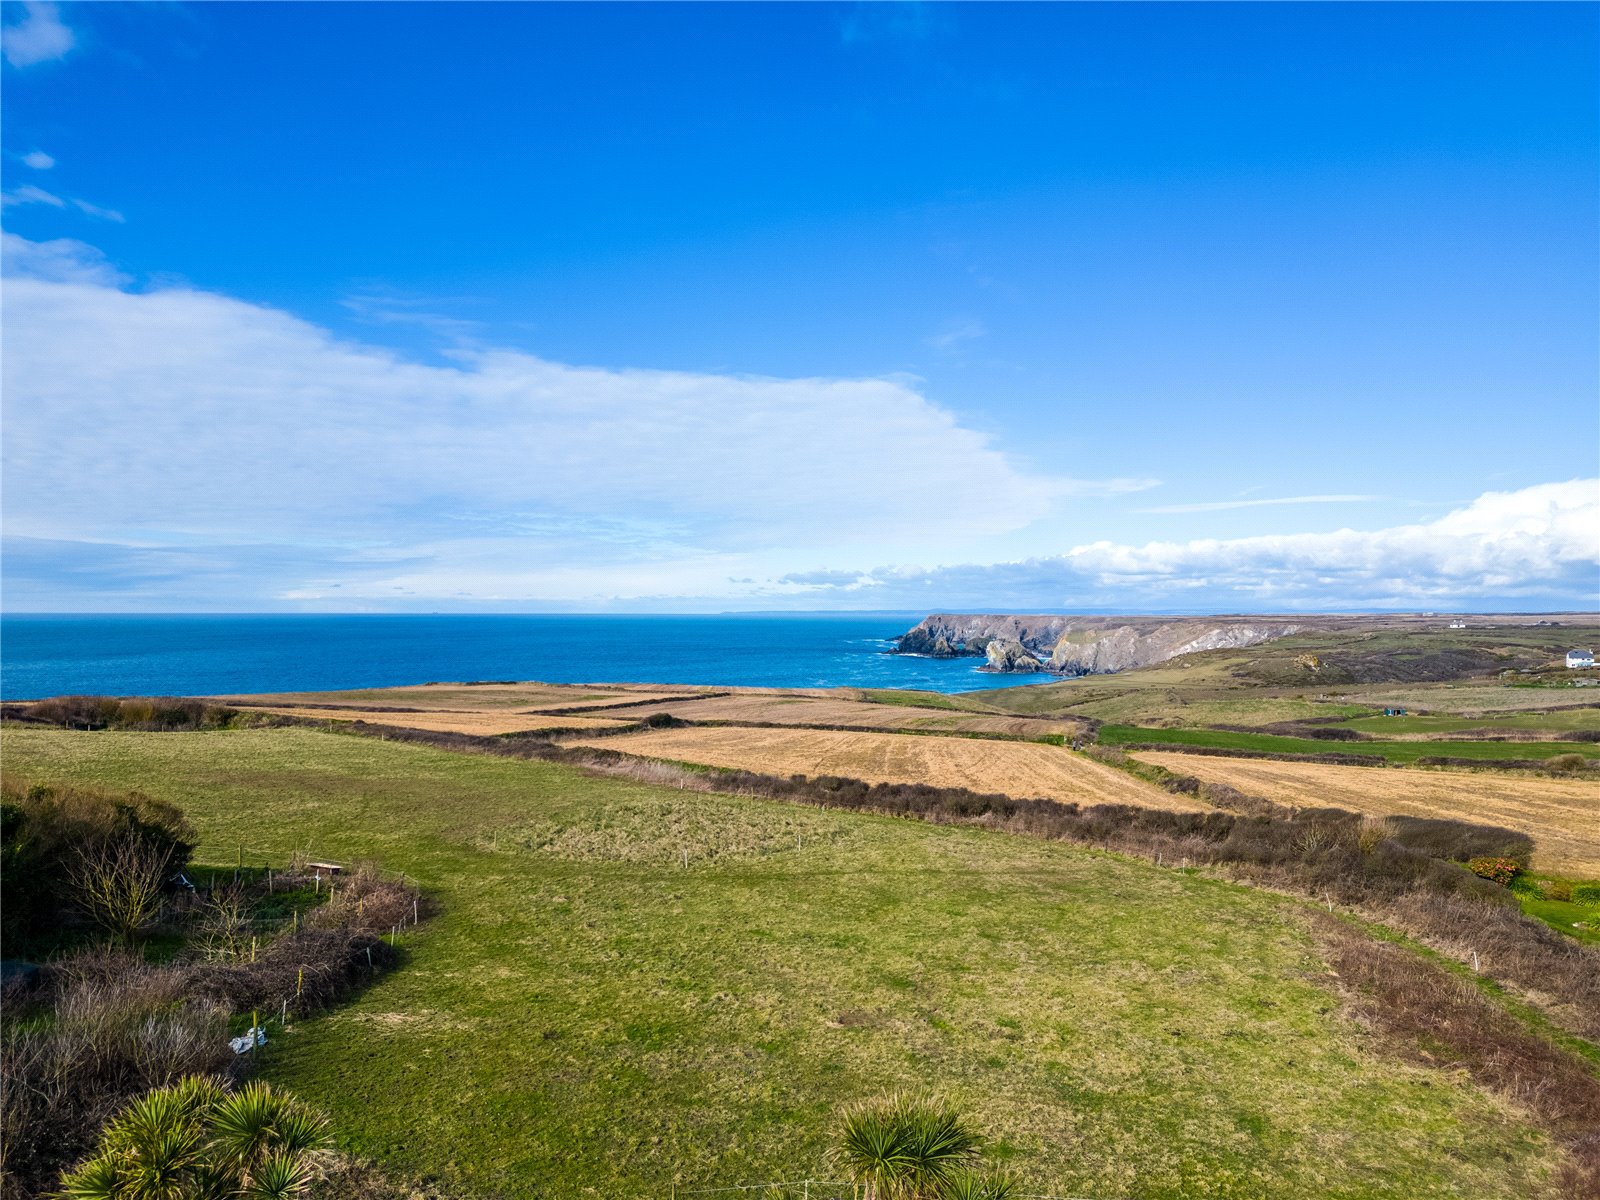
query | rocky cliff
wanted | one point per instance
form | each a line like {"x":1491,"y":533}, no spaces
{"x":1083,"y":645}
{"x":1006,"y":655}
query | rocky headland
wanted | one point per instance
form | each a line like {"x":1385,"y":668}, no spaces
{"x":1068,"y":645}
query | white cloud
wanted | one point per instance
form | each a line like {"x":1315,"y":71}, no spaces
{"x":38,"y":160}
{"x":1219,"y":505}
{"x":94,"y":210}
{"x":176,"y":448}
{"x":63,"y":260}
{"x":1503,"y":542}
{"x":179,"y":418}
{"x":39,"y":37}
{"x":1538,"y":546}
{"x":29,"y":194}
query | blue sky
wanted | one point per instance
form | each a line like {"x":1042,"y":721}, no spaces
{"x":567,"y":306}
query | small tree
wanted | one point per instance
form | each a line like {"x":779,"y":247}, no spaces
{"x":118,"y":882}
{"x":197,"y":1141}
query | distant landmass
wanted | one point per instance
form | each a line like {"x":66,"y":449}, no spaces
{"x":1083,"y":645}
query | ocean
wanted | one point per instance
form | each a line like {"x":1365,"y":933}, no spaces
{"x":209,"y":655}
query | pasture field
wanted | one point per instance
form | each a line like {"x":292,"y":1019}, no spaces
{"x":1398,"y":752}
{"x":1477,"y":697}
{"x":1567,"y":720}
{"x":1015,"y":768}
{"x":586,"y":1017}
{"x":1563,"y":816}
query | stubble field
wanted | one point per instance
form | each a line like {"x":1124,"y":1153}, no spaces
{"x":1563,"y":816}
{"x":1014,"y":768}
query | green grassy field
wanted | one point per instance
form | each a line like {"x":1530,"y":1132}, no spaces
{"x":1560,"y":721}
{"x":1399,"y":752}
{"x":589,"y":1018}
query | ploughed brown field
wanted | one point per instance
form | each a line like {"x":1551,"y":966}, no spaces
{"x":1015,"y":768}
{"x":1562,"y":816}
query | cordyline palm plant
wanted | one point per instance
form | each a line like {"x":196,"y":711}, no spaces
{"x":196,"y":1140}
{"x":903,"y":1148}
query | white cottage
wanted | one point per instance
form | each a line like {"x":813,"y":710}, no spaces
{"x":1580,"y":658}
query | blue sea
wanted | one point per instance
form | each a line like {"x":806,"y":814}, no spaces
{"x":209,"y":655}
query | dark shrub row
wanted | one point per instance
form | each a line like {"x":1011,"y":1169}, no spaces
{"x":578,"y":710}
{"x":1301,"y":729}
{"x":163,"y":713}
{"x":1434,"y":1015}
{"x":1348,"y":760}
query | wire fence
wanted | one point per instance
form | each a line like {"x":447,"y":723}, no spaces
{"x":819,"y":1189}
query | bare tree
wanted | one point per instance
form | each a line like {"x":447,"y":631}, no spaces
{"x":118,"y":883}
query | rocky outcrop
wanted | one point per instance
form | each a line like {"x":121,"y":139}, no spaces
{"x":930,"y":643}
{"x":1006,"y":655}
{"x":1070,"y":645}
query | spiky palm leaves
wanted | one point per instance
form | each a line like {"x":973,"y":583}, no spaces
{"x":197,"y":1141}
{"x":902,"y":1148}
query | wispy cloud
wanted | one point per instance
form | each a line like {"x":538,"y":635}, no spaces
{"x":899,"y":21}
{"x":1219,"y":505}
{"x":30,"y":194}
{"x":38,"y":160}
{"x":96,"y":211}
{"x":39,"y":37}
{"x":956,"y":332}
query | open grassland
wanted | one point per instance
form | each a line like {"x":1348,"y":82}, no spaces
{"x":1562,"y":816}
{"x":589,"y":1018}
{"x":1014,"y":768}
{"x":486,"y":724}
{"x":1550,"y":724}
{"x":1476,"y":697}
{"x":1399,"y":752}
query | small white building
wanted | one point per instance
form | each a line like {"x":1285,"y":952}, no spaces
{"x":1579,"y":658}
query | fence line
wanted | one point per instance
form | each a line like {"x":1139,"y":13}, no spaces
{"x":807,"y":1184}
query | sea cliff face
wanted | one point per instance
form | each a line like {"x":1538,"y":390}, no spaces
{"x":1006,"y":655}
{"x":1082,"y":645}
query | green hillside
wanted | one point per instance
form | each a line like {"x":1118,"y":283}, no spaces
{"x":590,"y":1017}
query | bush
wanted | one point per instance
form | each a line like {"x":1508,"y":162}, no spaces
{"x":1566,"y":764}
{"x":1499,"y":870}
{"x":48,"y":835}
{"x":1586,"y":894}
